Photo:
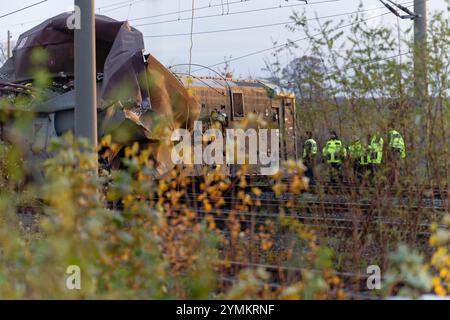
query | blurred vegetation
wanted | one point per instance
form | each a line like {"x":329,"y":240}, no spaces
{"x":134,"y":237}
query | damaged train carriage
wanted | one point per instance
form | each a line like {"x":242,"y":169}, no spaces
{"x":138,"y":98}
{"x":236,"y":99}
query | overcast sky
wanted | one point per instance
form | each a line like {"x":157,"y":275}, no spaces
{"x":209,"y":48}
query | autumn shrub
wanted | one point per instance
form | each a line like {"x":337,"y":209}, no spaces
{"x":134,"y":236}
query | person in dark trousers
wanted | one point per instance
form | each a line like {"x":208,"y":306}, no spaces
{"x":309,"y":154}
{"x":396,"y":153}
{"x":358,"y":156}
{"x":334,"y":153}
{"x":375,"y":154}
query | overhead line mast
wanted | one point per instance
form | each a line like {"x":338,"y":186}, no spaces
{"x":420,"y":44}
{"x":85,"y":72}
{"x":420,"y":52}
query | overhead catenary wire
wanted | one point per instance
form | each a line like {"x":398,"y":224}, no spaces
{"x":374,"y":61}
{"x":98,"y":9}
{"x":178,"y":12}
{"x":291,"y":42}
{"x":248,"y":27}
{"x":130,"y":3}
{"x":22,"y":9}
{"x":124,"y":4}
{"x":190,"y":53}
{"x":120,"y":5}
{"x":191,"y":37}
{"x":262,"y":25}
{"x":232,"y":13}
{"x":129,"y":10}
{"x":114,"y":4}
{"x":287,"y":44}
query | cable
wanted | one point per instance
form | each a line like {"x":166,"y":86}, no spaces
{"x":114,"y":4}
{"x":261,"y":26}
{"x":98,"y":8}
{"x":181,"y":19}
{"x":123,"y":4}
{"x":233,"y":13}
{"x":22,"y":9}
{"x":186,"y":10}
{"x":378,"y":60}
{"x":287,"y":43}
{"x":130,"y":3}
{"x":129,"y":10}
{"x":190,"y":59}
{"x":192,"y":38}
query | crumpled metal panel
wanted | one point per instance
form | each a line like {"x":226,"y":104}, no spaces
{"x":119,"y":55}
{"x":138,"y":98}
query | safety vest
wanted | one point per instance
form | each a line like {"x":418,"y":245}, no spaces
{"x":333,"y":151}
{"x":358,"y":153}
{"x":310,"y":148}
{"x":376,"y":150}
{"x":397,"y":143}
{"x":219,"y":117}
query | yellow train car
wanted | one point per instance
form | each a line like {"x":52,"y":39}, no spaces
{"x":237,"y":98}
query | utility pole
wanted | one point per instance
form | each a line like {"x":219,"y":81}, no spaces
{"x":85,"y":72}
{"x":420,"y":82}
{"x":420,"y":46}
{"x":9,"y":36}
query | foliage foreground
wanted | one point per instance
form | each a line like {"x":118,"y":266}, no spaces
{"x":137,"y":237}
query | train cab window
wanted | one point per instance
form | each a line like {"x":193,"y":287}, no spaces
{"x":275,"y":115}
{"x":238,"y":104}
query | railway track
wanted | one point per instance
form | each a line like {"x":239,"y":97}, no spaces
{"x":333,"y":203}
{"x":339,"y":215}
{"x":330,"y":211}
{"x":247,"y":218}
{"x":346,"y":187}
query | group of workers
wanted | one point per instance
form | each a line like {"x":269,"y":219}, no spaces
{"x":363,"y":158}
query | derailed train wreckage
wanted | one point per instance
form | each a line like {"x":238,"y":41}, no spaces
{"x":139,"y":100}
